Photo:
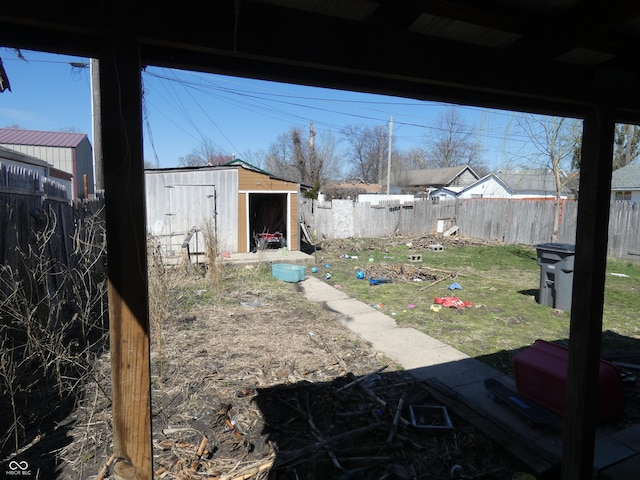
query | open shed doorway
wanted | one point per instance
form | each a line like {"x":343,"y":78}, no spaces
{"x":268,"y":220}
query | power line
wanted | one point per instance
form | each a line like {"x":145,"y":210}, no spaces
{"x":413,"y":120}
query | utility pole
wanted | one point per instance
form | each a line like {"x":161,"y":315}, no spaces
{"x":97,"y":129}
{"x":389,"y":157}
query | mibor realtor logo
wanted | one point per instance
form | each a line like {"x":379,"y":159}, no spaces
{"x":18,"y":468}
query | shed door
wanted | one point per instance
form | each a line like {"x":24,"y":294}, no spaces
{"x":267,"y":214}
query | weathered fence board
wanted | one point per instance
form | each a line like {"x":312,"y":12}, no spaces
{"x":512,"y":221}
{"x":32,"y":206}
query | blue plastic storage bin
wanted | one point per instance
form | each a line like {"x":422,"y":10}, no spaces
{"x":288,"y":272}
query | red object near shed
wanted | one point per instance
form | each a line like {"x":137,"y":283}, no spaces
{"x":541,"y":374}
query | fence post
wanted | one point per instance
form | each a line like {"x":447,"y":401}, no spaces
{"x":588,"y":295}
{"x":121,"y":125}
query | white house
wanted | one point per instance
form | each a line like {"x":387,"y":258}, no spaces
{"x":429,"y":179}
{"x":538,"y":184}
{"x":625,"y":184}
{"x":489,"y":186}
{"x":444,"y":194}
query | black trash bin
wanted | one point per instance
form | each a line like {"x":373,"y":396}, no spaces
{"x":556,"y":274}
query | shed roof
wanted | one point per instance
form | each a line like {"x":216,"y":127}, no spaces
{"x":19,"y":136}
{"x":247,"y":165}
{"x":227,"y":166}
{"x":626,"y":178}
{"x":8,"y":154}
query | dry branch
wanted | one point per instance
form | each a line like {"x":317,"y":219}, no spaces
{"x":436,"y":282}
{"x":330,"y":350}
{"x":396,"y":419}
{"x":199,"y":453}
{"x":105,"y":468}
{"x":361,"y":379}
{"x":292,"y":456}
{"x":251,"y":470}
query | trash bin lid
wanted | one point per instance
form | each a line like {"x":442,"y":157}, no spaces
{"x":557,"y":247}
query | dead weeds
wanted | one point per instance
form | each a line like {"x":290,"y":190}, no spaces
{"x":251,"y":381}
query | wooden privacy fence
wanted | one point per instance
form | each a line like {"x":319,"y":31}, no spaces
{"x":512,"y":221}
{"x":31,"y":205}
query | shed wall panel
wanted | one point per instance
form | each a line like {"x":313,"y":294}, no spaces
{"x":243,"y":236}
{"x":294,"y":228}
{"x":179,"y":200}
{"x":255,"y":181}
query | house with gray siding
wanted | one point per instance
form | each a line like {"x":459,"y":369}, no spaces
{"x":68,"y":152}
{"x":625,"y":184}
{"x":536,"y":183}
{"x":427,"y":180}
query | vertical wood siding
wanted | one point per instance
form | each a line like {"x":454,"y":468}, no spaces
{"x":513,"y":221}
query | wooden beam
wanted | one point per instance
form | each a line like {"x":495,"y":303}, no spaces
{"x":588,"y":295}
{"x":121,"y":126}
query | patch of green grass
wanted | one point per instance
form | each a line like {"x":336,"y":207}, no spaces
{"x":621,"y":305}
{"x":502,"y":282}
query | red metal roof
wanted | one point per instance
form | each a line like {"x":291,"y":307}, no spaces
{"x":19,"y":136}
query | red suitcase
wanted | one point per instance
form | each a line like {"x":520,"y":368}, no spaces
{"x":541,"y":374}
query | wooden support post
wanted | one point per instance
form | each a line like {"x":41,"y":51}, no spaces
{"x":588,"y":295}
{"x":121,"y":127}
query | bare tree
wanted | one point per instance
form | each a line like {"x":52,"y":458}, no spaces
{"x":401,"y":165}
{"x":302,"y":158}
{"x":414,"y":158}
{"x":207,"y":153}
{"x":192,"y":160}
{"x":367,"y":152}
{"x":451,"y":143}
{"x":553,"y":142}
{"x":626,"y":146}
{"x":257,"y":159}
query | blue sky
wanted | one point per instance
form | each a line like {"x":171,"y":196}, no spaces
{"x":239,"y":116}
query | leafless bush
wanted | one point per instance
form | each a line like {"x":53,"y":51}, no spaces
{"x":159,"y":294}
{"x":52,"y":325}
{"x":213,"y":251}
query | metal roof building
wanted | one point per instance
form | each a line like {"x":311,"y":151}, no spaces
{"x":69,"y":152}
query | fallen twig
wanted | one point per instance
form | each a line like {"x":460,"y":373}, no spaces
{"x":24,"y":448}
{"x":232,"y":428}
{"x":199,"y":453}
{"x":294,"y":455}
{"x":105,"y":468}
{"x":361,"y":379}
{"x":328,"y":349}
{"x":377,"y":399}
{"x":437,"y":281}
{"x":250,"y":470}
{"x":396,"y":419}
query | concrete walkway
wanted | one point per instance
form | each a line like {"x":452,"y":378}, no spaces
{"x":458,"y":382}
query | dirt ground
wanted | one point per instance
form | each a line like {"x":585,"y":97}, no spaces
{"x":250,"y":380}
